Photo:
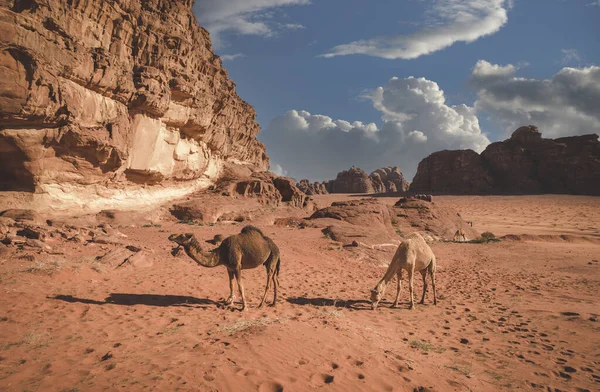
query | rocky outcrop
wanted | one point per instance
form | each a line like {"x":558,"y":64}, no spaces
{"x":355,"y":180}
{"x":459,"y":172}
{"x":312,"y":188}
{"x":289,"y":191}
{"x":524,"y":164}
{"x":389,"y":179}
{"x":102,"y":100}
{"x":345,"y":223}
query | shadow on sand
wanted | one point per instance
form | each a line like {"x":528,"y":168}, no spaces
{"x":142,"y":299}
{"x":338,"y":303}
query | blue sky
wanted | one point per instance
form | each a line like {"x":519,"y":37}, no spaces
{"x":304,"y":65}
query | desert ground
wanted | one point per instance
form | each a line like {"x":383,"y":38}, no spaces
{"x":519,"y":314}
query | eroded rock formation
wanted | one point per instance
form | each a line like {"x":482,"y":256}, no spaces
{"x":98,"y":97}
{"x":389,"y":179}
{"x":524,"y":164}
{"x":355,"y":180}
{"x":312,"y":188}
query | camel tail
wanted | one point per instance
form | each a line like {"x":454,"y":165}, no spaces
{"x":277,"y":266}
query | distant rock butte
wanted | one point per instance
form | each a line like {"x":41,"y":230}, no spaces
{"x":355,"y":180}
{"x":524,"y":164}
{"x":115,"y":106}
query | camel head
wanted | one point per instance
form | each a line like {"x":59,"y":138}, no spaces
{"x":181,"y":239}
{"x":375,"y":298}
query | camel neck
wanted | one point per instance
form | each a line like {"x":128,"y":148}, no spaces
{"x":205,"y":259}
{"x":389,"y":275}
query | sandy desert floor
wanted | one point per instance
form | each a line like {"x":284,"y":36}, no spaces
{"x":513,"y":315}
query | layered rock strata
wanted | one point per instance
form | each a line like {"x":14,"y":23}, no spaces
{"x":106,"y":103}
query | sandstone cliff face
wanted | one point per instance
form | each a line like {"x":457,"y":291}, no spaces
{"x":98,"y":96}
{"x":525,"y":163}
{"x":459,"y":172}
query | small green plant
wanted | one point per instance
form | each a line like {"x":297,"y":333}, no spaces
{"x":190,"y":222}
{"x":488,"y":235}
{"x":464,"y":370}
{"x":327,"y":236}
{"x":485,"y":238}
{"x":421,"y":345}
{"x":399,"y":232}
{"x":147,"y":225}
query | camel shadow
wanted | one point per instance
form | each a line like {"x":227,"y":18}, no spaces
{"x":143,"y":299}
{"x":338,"y":303}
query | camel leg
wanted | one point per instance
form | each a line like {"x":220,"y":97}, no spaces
{"x":424,"y":275}
{"x":399,"y":277}
{"x":275,"y":281}
{"x":269,"y":279}
{"x":411,"y":272}
{"x":238,"y":276}
{"x":432,"y":274}
{"x":231,"y":297}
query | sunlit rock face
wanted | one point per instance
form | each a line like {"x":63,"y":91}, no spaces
{"x":105,"y":102}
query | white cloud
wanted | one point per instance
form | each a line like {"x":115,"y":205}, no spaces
{"x":566,"y":104}
{"x":278,"y":170}
{"x":416,"y":121}
{"x":570,"y":56}
{"x":450,"y":21}
{"x":594,"y":3}
{"x":231,"y":57}
{"x":246,"y":17}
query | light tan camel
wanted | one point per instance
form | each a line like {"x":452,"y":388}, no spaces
{"x":412,"y":255}
{"x":249,"y":249}
{"x":460,"y":236}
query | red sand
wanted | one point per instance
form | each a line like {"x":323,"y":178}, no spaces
{"x":512,"y":315}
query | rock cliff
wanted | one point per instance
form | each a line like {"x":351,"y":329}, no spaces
{"x":105,"y":102}
{"x":524,"y":164}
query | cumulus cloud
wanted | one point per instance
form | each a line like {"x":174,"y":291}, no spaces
{"x":278,"y":170}
{"x":416,"y":121}
{"x":246,"y":17}
{"x":566,"y":104}
{"x":449,"y":21}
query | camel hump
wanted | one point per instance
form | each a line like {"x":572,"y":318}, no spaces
{"x":250,"y":229}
